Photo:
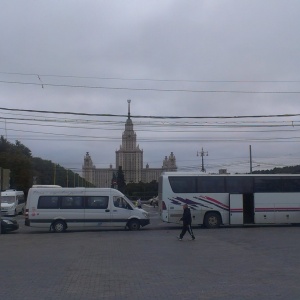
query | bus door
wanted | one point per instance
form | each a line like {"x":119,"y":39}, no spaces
{"x":236,"y":209}
{"x":248,"y":208}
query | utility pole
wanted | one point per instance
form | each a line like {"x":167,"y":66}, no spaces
{"x":1,"y":183}
{"x":202,"y":154}
{"x":250,"y":152}
{"x":54,"y":174}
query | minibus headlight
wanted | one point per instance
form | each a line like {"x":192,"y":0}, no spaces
{"x":146,"y":215}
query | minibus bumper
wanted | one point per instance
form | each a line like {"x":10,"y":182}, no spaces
{"x":144,"y":222}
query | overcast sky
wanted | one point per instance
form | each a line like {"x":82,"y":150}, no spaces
{"x":204,"y":59}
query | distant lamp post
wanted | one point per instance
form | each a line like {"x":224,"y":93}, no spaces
{"x":202,"y":154}
{"x":54,"y":174}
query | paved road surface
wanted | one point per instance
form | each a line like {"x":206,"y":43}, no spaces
{"x":223,"y":264}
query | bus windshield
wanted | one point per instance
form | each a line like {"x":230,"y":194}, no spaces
{"x":8,"y":199}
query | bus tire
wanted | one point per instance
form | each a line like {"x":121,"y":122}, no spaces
{"x":59,"y":226}
{"x":134,"y":225}
{"x":212,"y":220}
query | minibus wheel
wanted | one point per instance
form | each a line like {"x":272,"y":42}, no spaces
{"x":59,"y":226}
{"x":212,"y":220}
{"x":134,"y":225}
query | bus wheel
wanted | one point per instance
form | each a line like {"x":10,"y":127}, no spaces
{"x":212,"y":220}
{"x":59,"y":226}
{"x":134,"y":225}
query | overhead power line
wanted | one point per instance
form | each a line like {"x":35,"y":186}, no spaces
{"x":148,"y":89}
{"x":150,"y":117}
{"x":148,"y":79}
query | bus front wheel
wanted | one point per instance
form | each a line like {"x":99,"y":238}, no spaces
{"x":212,"y":220}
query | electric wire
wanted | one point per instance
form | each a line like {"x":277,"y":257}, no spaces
{"x":148,"y":79}
{"x":152,"y":117}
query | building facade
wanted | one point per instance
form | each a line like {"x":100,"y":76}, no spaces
{"x":130,"y":158}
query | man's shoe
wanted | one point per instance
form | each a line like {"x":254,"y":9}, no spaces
{"x":193,"y":238}
{"x":179,"y":238}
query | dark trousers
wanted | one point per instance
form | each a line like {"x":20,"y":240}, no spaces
{"x":186,"y":228}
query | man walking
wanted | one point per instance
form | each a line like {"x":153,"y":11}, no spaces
{"x":187,"y":222}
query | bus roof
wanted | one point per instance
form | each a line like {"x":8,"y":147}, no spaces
{"x":216,"y":174}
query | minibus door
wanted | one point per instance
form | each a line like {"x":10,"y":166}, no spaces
{"x":121,"y":211}
{"x":97,"y":211}
{"x":236,"y":209}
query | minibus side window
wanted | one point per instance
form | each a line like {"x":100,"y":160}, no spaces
{"x":96,"y":202}
{"x":121,"y":203}
{"x":70,"y":202}
{"x":47,"y":202}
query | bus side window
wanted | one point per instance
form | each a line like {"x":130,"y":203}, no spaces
{"x":212,"y":184}
{"x":237,"y":184}
{"x":183,"y":184}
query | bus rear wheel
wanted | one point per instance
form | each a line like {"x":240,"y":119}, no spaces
{"x":212,"y":220}
{"x":59,"y":226}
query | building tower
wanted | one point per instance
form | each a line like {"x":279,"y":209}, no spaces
{"x":88,"y":168}
{"x":130,"y":156}
{"x":169,"y":164}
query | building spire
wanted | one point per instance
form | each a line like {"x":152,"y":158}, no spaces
{"x":128,"y":108}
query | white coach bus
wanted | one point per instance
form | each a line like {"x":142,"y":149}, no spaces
{"x":230,"y":199}
{"x":60,"y":208}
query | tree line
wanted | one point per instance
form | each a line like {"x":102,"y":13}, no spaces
{"x":26,"y":170}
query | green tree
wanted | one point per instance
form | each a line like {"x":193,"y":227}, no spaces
{"x":17,"y":158}
{"x":113,"y":181}
{"x":121,"y":180}
{"x":142,"y":190}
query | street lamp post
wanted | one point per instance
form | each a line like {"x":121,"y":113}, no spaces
{"x":202,"y":154}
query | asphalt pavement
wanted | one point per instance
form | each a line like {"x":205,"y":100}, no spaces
{"x":226,"y":263}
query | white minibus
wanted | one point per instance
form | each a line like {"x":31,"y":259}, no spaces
{"x":12,"y":202}
{"x":230,"y":199}
{"x":60,"y":208}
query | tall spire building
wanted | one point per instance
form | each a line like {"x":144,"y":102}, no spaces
{"x":130,"y":158}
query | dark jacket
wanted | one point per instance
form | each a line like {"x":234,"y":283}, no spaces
{"x":186,"y":217}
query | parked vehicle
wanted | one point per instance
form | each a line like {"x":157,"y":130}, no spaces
{"x":60,"y":208}
{"x":12,"y":202}
{"x":230,"y":199}
{"x":8,"y":224}
{"x":154,"y":201}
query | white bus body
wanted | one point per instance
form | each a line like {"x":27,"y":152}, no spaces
{"x":12,"y":202}
{"x":81,"y":208}
{"x":230,"y":199}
